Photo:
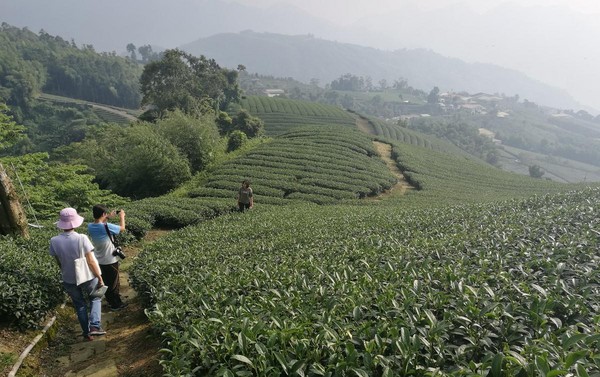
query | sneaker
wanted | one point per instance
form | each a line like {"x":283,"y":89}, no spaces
{"x":87,"y":338}
{"x":97,"y":331}
{"x":120,"y":307}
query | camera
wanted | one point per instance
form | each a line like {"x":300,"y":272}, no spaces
{"x":118,"y":253}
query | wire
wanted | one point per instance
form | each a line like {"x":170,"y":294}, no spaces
{"x":37,"y":224}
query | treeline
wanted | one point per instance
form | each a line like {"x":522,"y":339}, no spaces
{"x":459,"y":133}
{"x":31,"y":63}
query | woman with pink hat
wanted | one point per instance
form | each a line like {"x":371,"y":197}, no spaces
{"x":66,"y":247}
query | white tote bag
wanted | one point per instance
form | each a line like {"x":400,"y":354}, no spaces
{"x":82,"y":270}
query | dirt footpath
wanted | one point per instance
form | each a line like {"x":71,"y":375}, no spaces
{"x":385,"y":153}
{"x":129,"y":348}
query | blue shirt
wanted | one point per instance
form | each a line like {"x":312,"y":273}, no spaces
{"x":103,"y":247}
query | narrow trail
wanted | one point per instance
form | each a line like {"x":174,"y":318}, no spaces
{"x":129,"y":348}
{"x":125,"y":115}
{"x":385,"y":153}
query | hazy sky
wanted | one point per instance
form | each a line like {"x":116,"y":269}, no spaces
{"x":347,"y":11}
{"x":554,"y":41}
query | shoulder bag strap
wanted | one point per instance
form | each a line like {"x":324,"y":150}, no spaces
{"x":81,"y":253}
{"x":110,"y":235}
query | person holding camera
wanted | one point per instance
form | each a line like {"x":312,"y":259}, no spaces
{"x":107,"y":252}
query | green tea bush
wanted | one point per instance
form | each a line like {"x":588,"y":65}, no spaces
{"x":281,"y":115}
{"x":324,"y":164}
{"x":495,"y":289}
{"x":29,"y":279}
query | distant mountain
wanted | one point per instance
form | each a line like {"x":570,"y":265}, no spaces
{"x":304,"y":57}
{"x":109,"y":25}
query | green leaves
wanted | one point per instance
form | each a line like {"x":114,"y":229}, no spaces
{"x":499,"y":289}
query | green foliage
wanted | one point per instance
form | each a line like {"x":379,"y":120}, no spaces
{"x":30,"y":63}
{"x":224,"y":122}
{"x":135,"y":161}
{"x":194,"y":85}
{"x":248,"y":124}
{"x":349,"y":82}
{"x":29,"y":279}
{"x":236,"y":140}
{"x":196,"y":138}
{"x":497,"y":289}
{"x":535,"y":171}
{"x":280,"y":114}
{"x":443,"y":178}
{"x":172,"y":213}
{"x":49,"y":187}
{"x":459,"y":133}
{"x":10,"y":132}
{"x":320,"y":164}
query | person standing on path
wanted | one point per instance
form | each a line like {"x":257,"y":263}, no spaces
{"x":245,"y":197}
{"x":66,"y":247}
{"x":102,"y":233}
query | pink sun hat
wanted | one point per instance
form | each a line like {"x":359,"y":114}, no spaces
{"x":69,"y":219}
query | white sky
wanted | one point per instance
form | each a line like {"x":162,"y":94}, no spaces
{"x":556,"y":42}
{"x":347,"y":11}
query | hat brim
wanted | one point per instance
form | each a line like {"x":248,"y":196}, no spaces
{"x":70,"y":224}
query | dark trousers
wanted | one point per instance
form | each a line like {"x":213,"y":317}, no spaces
{"x":243,"y":206}
{"x":110,"y":275}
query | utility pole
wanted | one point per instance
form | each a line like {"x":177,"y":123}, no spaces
{"x":12,"y":216}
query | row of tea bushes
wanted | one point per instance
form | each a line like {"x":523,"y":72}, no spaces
{"x":29,"y":279}
{"x":324,"y":164}
{"x":173,"y":213}
{"x":280,"y":114}
{"x":497,"y":289}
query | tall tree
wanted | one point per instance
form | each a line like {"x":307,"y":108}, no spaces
{"x":193,"y":84}
{"x":131,"y":50}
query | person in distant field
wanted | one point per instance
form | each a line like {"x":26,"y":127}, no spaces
{"x":101,"y":232}
{"x":66,"y":248}
{"x":245,"y":198}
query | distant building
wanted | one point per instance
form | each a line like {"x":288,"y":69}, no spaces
{"x":274,"y":92}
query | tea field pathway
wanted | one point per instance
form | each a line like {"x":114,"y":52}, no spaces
{"x":385,"y":153}
{"x":129,"y":348}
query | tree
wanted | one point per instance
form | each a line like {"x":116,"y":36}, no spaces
{"x":434,"y":95}
{"x":135,"y":162}
{"x":131,"y":50}
{"x":400,"y":83}
{"x":535,"y":171}
{"x":147,"y":54}
{"x":383,"y":84}
{"x":196,"y":138}
{"x":236,"y":140}
{"x":52,"y":186}
{"x":10,"y":132}
{"x":193,"y":84}
{"x":248,"y":124}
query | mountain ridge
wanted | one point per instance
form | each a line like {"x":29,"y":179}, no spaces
{"x":305,"y":57}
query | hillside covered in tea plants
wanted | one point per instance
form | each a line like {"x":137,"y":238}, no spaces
{"x":475,"y":271}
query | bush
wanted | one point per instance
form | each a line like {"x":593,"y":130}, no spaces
{"x":236,"y":140}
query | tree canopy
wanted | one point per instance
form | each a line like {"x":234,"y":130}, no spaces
{"x":30,"y":63}
{"x":196,"y":85}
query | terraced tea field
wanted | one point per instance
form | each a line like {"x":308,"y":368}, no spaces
{"x":504,"y":289}
{"x":280,"y":115}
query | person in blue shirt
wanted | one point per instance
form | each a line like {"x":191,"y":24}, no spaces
{"x":102,"y":234}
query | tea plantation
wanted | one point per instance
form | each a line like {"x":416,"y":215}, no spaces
{"x":476,"y":272}
{"x":280,"y":114}
{"x":500,"y":289}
